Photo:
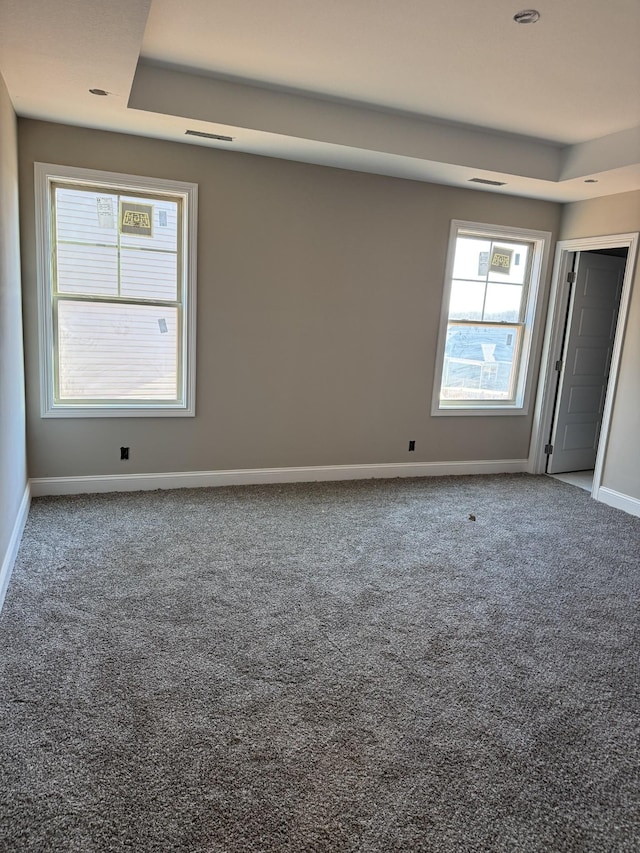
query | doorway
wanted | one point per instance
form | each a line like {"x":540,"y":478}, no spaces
{"x":595,"y":288}
{"x":591,"y":286}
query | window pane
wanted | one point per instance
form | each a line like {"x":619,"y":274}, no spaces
{"x":509,"y":262}
{"x":148,"y":275}
{"x":480,"y":362}
{"x":467,"y":300}
{"x":117,"y":352}
{"x":83,"y":268}
{"x":503,"y":303}
{"x":86,"y":216}
{"x":472,"y":258}
{"x":162,"y":232}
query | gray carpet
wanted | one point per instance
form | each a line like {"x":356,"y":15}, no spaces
{"x":337,"y":668}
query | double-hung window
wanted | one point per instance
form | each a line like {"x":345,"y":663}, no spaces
{"x":489,"y":319}
{"x":116,"y":269}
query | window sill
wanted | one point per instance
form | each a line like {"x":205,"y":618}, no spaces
{"x":118,"y":412}
{"x":478,"y":411}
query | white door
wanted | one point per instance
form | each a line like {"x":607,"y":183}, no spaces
{"x":591,"y":327}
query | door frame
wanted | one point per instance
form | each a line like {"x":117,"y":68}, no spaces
{"x":553,"y":341}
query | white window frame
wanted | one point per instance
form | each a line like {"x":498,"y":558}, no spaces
{"x":541,"y":241}
{"x":47,"y":174}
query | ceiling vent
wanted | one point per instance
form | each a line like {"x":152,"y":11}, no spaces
{"x":527,"y":16}
{"x":487,"y":182}
{"x":204,"y":135}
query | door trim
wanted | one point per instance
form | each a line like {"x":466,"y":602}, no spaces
{"x":553,"y":337}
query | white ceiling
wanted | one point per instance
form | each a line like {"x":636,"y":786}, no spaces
{"x":420,"y":89}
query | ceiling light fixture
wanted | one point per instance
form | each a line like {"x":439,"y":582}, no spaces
{"x":98,"y":92}
{"x":217,"y":136}
{"x":487,"y":182}
{"x":527,"y":16}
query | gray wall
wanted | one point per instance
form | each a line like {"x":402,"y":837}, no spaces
{"x":617,"y":214}
{"x":13,"y":466}
{"x":318,"y":307}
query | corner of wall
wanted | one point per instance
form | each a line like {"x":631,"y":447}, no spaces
{"x":14,"y":488}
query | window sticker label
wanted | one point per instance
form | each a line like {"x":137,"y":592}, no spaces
{"x":483,"y":263}
{"x":106,"y":219}
{"x":136,"y":219}
{"x":162,"y":218}
{"x":501,"y":260}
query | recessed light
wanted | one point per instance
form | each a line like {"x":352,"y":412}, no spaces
{"x":527,"y":16}
{"x":591,"y":180}
{"x":98,"y":92}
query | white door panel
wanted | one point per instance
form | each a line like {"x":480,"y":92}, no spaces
{"x":597,"y":322}
{"x":591,"y":325}
{"x":586,"y":400}
{"x":580,"y":436}
{"x":598,"y":287}
{"x":591,"y":361}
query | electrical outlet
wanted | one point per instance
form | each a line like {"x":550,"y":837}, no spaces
{"x":124,"y":453}
{"x":412,"y":445}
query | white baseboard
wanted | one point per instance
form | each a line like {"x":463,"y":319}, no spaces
{"x":618,"y":500}
{"x":14,"y":543}
{"x":193,"y":479}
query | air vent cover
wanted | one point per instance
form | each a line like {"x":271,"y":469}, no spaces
{"x":527,"y":16}
{"x":487,"y":182}
{"x":204,"y":135}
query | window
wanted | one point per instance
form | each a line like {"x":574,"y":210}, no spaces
{"x":116,"y":267}
{"x":489,"y":317}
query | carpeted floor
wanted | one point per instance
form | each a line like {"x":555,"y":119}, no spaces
{"x":337,"y":668}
